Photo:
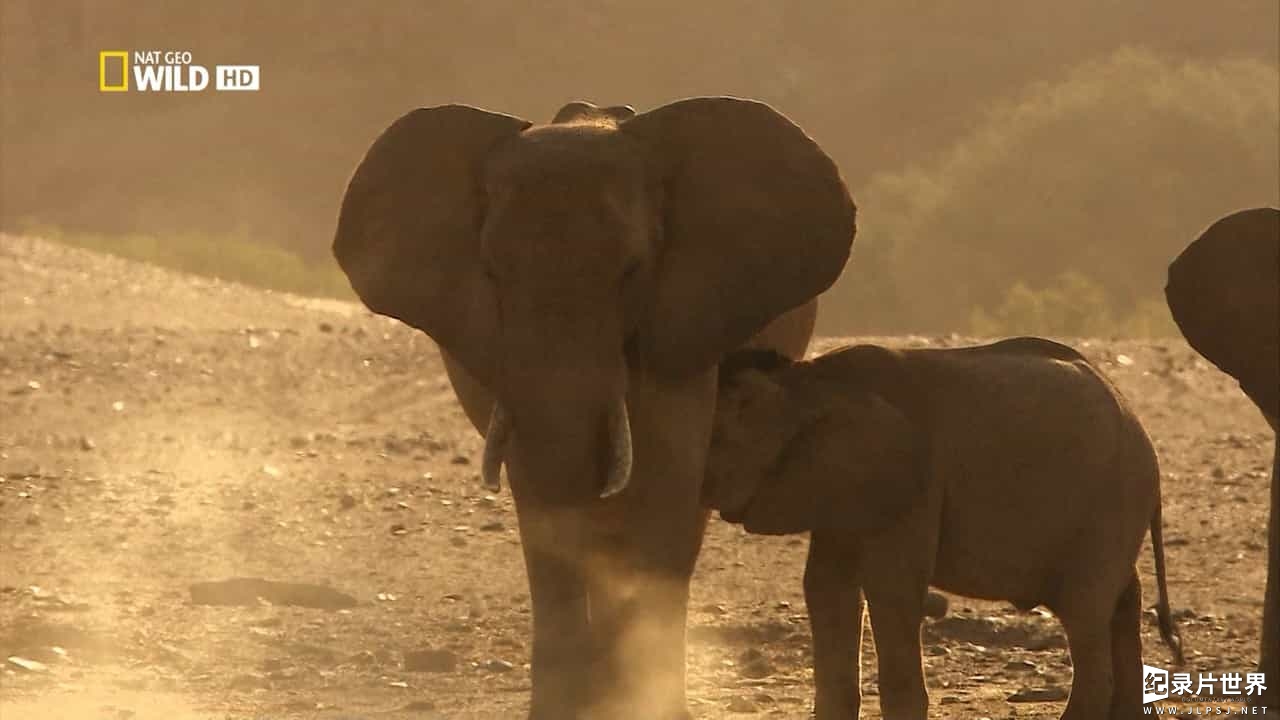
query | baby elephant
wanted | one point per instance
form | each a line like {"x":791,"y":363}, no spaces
{"x":1012,"y":471}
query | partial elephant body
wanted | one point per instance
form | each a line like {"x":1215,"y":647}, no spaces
{"x":1224,"y":294}
{"x":1011,"y":471}
{"x":582,"y":279}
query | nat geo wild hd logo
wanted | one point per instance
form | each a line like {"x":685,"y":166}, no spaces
{"x":169,"y":71}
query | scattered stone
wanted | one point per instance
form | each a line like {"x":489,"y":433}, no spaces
{"x":248,"y":681}
{"x":754,"y":664}
{"x":494,"y":526}
{"x":28,"y":665}
{"x":498,"y":666}
{"x":742,"y":705}
{"x":87,"y":443}
{"x":398,"y":529}
{"x":248,"y":591}
{"x":364,"y":658}
{"x":461,"y":460}
{"x":326,"y":327}
{"x":347,"y":501}
{"x":431,"y":660}
{"x":1047,"y":694}
{"x":1039,"y":643}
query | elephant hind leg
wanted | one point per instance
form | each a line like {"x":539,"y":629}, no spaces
{"x":1126,"y":653}
{"x":1088,"y":626}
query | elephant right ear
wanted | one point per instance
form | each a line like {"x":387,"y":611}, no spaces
{"x":756,"y":220}
{"x":408,"y":232}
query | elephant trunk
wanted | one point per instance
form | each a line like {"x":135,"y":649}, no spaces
{"x":619,"y":457}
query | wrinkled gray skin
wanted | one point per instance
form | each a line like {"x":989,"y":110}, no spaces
{"x":583,"y":278}
{"x":1224,"y":293}
{"x":1011,"y":471}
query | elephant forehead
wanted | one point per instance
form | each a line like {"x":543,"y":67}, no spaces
{"x":544,"y":153}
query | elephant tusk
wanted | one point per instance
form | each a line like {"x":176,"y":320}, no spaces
{"x":495,"y":447}
{"x":619,"y":475}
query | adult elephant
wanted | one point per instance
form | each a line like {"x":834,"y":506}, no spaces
{"x":1224,"y":293}
{"x":582,"y":279}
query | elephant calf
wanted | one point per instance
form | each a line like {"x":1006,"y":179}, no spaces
{"x":1012,"y":471}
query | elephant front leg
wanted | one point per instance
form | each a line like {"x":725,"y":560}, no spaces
{"x":643,"y":547}
{"x":638,"y":611}
{"x":896,"y":612}
{"x":561,"y":663}
{"x":896,"y":569}
{"x":834,"y":601}
{"x":1269,"y":657}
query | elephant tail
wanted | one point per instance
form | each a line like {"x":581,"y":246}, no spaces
{"x":1168,"y":631}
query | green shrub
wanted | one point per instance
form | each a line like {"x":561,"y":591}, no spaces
{"x":1110,"y":170}
{"x":1071,"y":305}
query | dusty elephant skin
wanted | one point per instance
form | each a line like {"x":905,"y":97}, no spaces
{"x":582,"y":279}
{"x":1224,"y":293}
{"x":1012,"y":471}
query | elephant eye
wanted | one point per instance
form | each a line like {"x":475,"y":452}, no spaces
{"x":628,"y":272}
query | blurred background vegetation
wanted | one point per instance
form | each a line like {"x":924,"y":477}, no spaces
{"x":1019,"y":166}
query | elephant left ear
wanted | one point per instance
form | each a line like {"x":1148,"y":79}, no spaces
{"x":854,"y":470}
{"x":757,"y":221}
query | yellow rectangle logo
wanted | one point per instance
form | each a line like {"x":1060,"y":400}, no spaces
{"x":123,"y":85}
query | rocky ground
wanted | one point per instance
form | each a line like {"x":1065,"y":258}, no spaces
{"x":158,"y":431}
